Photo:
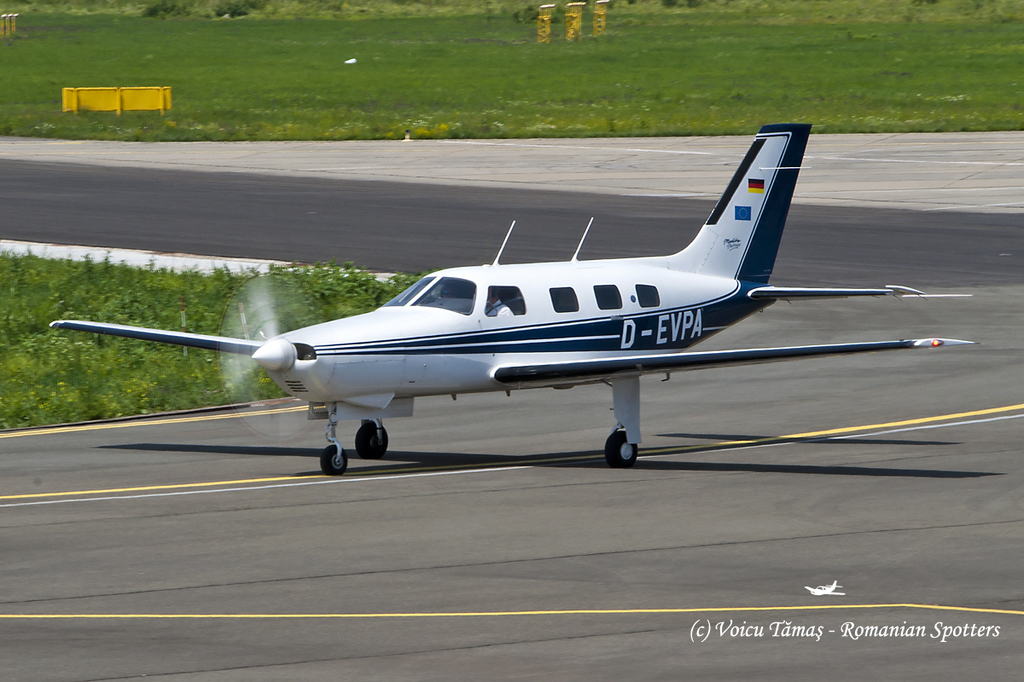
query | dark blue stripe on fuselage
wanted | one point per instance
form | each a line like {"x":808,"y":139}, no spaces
{"x":605,"y":335}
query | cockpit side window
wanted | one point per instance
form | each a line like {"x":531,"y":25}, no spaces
{"x":563,"y":300}
{"x":608,"y":297}
{"x":410,"y":293}
{"x":504,"y":302}
{"x":647,"y":296}
{"x":450,"y":293}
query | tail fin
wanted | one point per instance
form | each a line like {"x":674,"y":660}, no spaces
{"x":741,"y":237}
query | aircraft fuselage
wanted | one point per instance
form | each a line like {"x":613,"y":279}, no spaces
{"x":417,"y":350}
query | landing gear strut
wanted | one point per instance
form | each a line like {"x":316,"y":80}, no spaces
{"x":371,"y":439}
{"x":333,"y":461}
{"x":620,"y":449}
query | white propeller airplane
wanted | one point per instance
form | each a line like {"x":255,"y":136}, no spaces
{"x":822,"y":590}
{"x":508,"y":327}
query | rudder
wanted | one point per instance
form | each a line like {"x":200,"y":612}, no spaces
{"x":741,"y":237}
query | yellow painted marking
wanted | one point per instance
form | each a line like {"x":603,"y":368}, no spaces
{"x":173,"y":486}
{"x":147,"y":422}
{"x":496,"y":614}
{"x":842,"y":430}
{"x":399,"y":470}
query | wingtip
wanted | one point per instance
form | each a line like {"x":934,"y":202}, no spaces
{"x":936,"y":342}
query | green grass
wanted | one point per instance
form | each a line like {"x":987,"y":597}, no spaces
{"x":718,"y":68}
{"x":51,"y":376}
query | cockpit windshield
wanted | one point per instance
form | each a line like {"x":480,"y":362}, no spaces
{"x":450,"y":293}
{"x":409,"y":293}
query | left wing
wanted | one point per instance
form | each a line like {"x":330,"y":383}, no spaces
{"x":583,"y":371}
{"x":223,"y":344}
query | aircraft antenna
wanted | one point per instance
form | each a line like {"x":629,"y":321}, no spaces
{"x":507,"y":235}
{"x":585,"y":233}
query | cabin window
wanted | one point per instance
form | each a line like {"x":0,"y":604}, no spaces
{"x":409,"y":293}
{"x":504,"y":302}
{"x":608,"y":297}
{"x":564,"y":300}
{"x":647,"y":296}
{"x":450,"y":293}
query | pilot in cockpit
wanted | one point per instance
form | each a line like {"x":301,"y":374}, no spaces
{"x":494,"y":307}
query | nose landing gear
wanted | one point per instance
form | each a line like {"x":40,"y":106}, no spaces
{"x":333,"y":461}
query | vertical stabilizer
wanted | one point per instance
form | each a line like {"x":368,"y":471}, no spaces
{"x":741,"y":236}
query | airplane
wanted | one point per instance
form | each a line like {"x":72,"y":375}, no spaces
{"x":821,"y":590}
{"x":557,"y":324}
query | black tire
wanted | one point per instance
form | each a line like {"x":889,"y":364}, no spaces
{"x":618,"y":453}
{"x":368,"y":445}
{"x":333,"y":461}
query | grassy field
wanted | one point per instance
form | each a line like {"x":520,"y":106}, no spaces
{"x":439,"y":68}
{"x":716,"y":68}
{"x":49,"y":376}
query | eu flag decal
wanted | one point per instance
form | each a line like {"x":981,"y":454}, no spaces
{"x":742,"y":213}
{"x":755,"y":185}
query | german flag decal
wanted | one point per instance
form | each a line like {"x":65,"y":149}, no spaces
{"x":756,"y":186}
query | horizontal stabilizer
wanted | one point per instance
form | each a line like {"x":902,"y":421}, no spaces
{"x":789,"y":293}
{"x":582,"y":371}
{"x":218,"y":343}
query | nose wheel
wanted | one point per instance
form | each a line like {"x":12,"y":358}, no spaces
{"x":618,"y":452}
{"x":333,"y":460}
{"x":371,"y":439}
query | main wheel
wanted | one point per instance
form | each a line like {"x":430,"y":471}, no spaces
{"x":618,"y":453}
{"x":370,"y":445}
{"x":333,"y":461}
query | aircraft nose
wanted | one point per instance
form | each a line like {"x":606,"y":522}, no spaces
{"x":276,"y":355}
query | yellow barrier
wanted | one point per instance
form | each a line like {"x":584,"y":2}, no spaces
{"x":8,"y":24}
{"x":574,"y":20}
{"x":544,"y":24}
{"x":117,"y":99}
{"x":600,"y":12}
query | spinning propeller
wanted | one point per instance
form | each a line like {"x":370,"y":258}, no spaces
{"x":263,"y":307}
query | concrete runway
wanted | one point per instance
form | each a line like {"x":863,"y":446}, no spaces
{"x":223,"y":555}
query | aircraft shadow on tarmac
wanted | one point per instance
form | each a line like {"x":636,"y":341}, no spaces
{"x":257,"y":451}
{"x":399,"y":461}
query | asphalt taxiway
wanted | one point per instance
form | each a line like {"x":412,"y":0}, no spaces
{"x":494,"y":543}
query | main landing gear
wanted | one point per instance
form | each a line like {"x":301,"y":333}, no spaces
{"x":371,"y":439}
{"x":371,"y":443}
{"x":618,"y":452}
{"x":620,"y":449}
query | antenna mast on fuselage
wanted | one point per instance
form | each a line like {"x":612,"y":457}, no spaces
{"x":507,"y":235}
{"x":585,"y":233}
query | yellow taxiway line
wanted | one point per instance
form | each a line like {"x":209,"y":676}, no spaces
{"x":809,"y":435}
{"x":496,"y":614}
{"x":76,"y":428}
{"x":844,"y":430}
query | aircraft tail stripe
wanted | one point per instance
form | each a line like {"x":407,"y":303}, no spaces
{"x":734,"y":184}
